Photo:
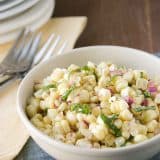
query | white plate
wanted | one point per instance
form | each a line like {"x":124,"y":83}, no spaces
{"x":4,"y":38}
{"x":17,"y":9}
{"x":6,"y":4}
{"x":26,"y":18}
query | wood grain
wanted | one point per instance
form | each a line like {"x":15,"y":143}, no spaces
{"x":155,"y":24}
{"x":133,"y":23}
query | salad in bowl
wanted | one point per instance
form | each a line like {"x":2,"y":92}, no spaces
{"x":96,"y":106}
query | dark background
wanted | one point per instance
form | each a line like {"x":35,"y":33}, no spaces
{"x":133,"y":23}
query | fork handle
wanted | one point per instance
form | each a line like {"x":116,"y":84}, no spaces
{"x":7,"y":82}
{"x":2,"y":69}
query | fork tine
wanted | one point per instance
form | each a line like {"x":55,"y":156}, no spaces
{"x":22,"y":44}
{"x":14,"y":47}
{"x":20,"y":35}
{"x":34,"y":47}
{"x":27,"y":55}
{"x":62,"y":48}
{"x":21,"y":58}
{"x":26,"y":48}
{"x":22,"y":47}
{"x":40,"y":54}
{"x":51,"y":49}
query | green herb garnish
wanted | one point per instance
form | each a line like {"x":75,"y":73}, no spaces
{"x":128,"y":140}
{"x":81,"y":108}
{"x":86,"y":68}
{"x":121,"y":67}
{"x":91,"y":70}
{"x":147,"y":94}
{"x":113,"y":79}
{"x":141,"y":75}
{"x":113,"y":117}
{"x":74,"y":71}
{"x":144,"y":108}
{"x":95,"y":75}
{"x":44,"y":113}
{"x":110,"y":122}
{"x":49,"y":86}
{"x":67,"y":93}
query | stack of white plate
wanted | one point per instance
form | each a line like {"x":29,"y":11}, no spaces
{"x":17,"y":14}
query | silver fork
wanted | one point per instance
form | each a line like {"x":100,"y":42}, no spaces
{"x":21,"y":54}
{"x":47,"y":51}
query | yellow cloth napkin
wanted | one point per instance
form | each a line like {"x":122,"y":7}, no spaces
{"x":13,"y":135}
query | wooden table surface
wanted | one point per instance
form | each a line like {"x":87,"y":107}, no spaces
{"x":133,"y":23}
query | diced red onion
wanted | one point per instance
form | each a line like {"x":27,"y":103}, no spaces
{"x":145,"y":102}
{"x":129,"y":100}
{"x":152,"y":89}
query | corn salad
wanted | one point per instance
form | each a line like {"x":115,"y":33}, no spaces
{"x":96,"y":106}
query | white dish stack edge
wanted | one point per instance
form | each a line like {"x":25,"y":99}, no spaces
{"x":23,"y":13}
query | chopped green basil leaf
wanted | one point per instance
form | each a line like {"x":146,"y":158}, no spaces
{"x":121,"y":67}
{"x":67,"y":93}
{"x":82,"y":108}
{"x":113,"y":79}
{"x":144,"y":108}
{"x":49,"y":86}
{"x":113,"y":117}
{"x":96,"y":77}
{"x":124,"y":144}
{"x":141,"y":74}
{"x":91,"y":70}
{"x":45,"y":111}
{"x":147,"y":94}
{"x":74,"y":71}
{"x":109,"y":121}
{"x":128,"y":140}
{"x":85,"y":68}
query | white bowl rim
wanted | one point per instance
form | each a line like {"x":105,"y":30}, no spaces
{"x":72,"y":148}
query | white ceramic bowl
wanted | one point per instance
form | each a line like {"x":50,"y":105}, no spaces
{"x":119,"y":55}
